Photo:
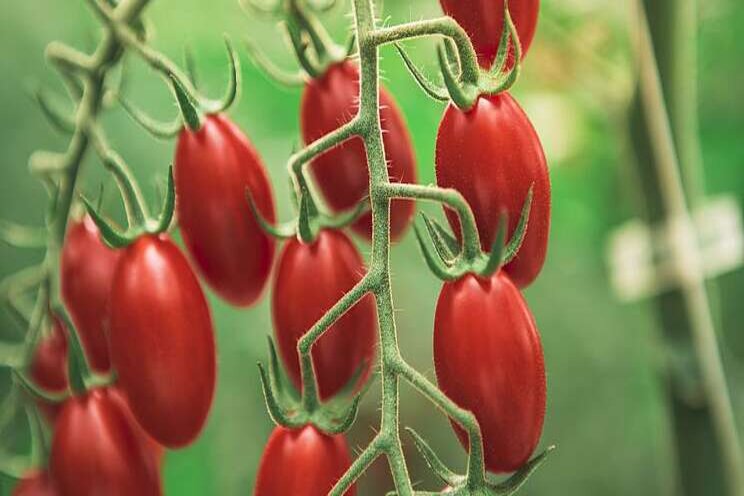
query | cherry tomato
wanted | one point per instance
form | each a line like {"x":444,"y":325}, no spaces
{"x":86,"y":270}
{"x":97,"y":450}
{"x":49,"y":366}
{"x":341,"y":173}
{"x":489,"y":360}
{"x":36,"y":483}
{"x":483,"y":20}
{"x":492,"y":155}
{"x":213,"y":169}
{"x":162,"y":341}
{"x":309,"y":280}
{"x":302,"y":462}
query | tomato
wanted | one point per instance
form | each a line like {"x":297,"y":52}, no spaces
{"x":49,"y":366}
{"x":489,"y":360}
{"x":162,"y":341}
{"x":155,"y":448}
{"x":309,"y":280}
{"x":86,"y":269}
{"x":97,"y":450}
{"x":36,"y":483}
{"x":484,"y":21}
{"x":302,"y":462}
{"x":213,"y":169}
{"x":492,"y":155}
{"x":341,"y":173}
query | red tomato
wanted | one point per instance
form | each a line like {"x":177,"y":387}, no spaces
{"x":492,"y":155}
{"x":213,"y":169}
{"x":302,"y":462}
{"x":97,"y":450}
{"x":309,"y":280}
{"x":49,"y":366}
{"x":489,"y":360}
{"x":35,"y":483}
{"x":484,"y":21}
{"x":162,"y":341}
{"x":86,"y":270}
{"x":341,"y":173}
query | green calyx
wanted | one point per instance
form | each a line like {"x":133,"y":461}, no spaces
{"x":448,"y":261}
{"x":291,"y":409}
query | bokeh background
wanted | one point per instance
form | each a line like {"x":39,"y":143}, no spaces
{"x":606,"y":408}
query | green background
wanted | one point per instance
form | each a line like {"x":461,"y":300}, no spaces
{"x":606,"y":410}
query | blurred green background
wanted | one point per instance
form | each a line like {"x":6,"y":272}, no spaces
{"x":606,"y":409}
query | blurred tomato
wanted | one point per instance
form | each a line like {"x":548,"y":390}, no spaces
{"x":35,"y":483}
{"x":49,"y":366}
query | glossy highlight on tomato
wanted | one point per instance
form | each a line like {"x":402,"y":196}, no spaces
{"x":489,"y":360}
{"x":341,"y":173}
{"x":49,"y":366}
{"x":162,"y":341}
{"x":36,"y":483}
{"x":86,"y":270}
{"x":213,"y":168}
{"x":302,"y":462}
{"x":97,"y":449}
{"x":483,"y":20}
{"x":309,"y":280}
{"x":492,"y":155}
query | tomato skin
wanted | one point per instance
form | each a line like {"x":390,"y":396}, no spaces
{"x":86,"y":269}
{"x":213,"y":168}
{"x":492,"y":155}
{"x":309,"y":280}
{"x":97,"y":450}
{"x":49,"y":367}
{"x":483,"y":20}
{"x":162,"y":341}
{"x":302,"y":462}
{"x":489,"y":360}
{"x":35,"y":483}
{"x":341,"y":173}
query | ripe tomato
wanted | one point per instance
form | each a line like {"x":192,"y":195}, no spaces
{"x":162,"y":341}
{"x":483,"y":20}
{"x":97,"y":450}
{"x":341,"y":173}
{"x":86,"y":270}
{"x":489,"y":360}
{"x":49,"y":366}
{"x":309,"y":280}
{"x":35,"y":483}
{"x":492,"y":155}
{"x":213,"y":168}
{"x":302,"y":462}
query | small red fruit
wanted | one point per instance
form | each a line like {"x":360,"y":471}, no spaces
{"x":49,"y":366}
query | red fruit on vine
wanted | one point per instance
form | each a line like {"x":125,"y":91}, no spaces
{"x":309,"y":280}
{"x":341,"y":173}
{"x":162,"y":341}
{"x":49,"y":366}
{"x":489,"y":360}
{"x":213,"y":168}
{"x":483,"y":20}
{"x":36,"y":483}
{"x":86,"y":269}
{"x":97,"y":450}
{"x":492,"y":155}
{"x":302,"y":462}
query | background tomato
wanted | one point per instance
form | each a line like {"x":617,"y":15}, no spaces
{"x":492,"y":155}
{"x":309,"y":280}
{"x":484,"y":21}
{"x":213,"y":169}
{"x":489,"y":360}
{"x":35,"y":483}
{"x":162,"y":341}
{"x":49,"y":366}
{"x":302,"y":462}
{"x":97,"y":450}
{"x":86,"y":270}
{"x":341,"y":173}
